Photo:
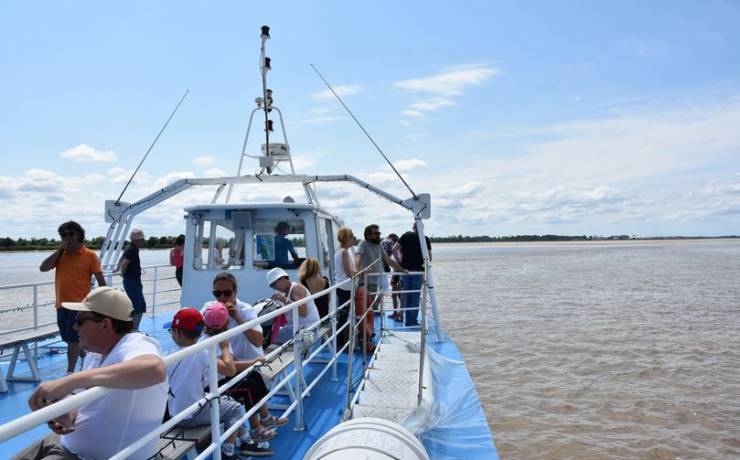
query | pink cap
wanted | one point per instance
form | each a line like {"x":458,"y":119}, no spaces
{"x":216,"y":316}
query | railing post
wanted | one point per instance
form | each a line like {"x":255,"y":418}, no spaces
{"x":350,"y":354}
{"x":333,"y":320}
{"x":213,"y":390}
{"x":35,"y":319}
{"x":381,"y":289}
{"x":423,"y":338}
{"x":35,"y":306}
{"x":154,"y":291}
{"x":300,"y":424}
{"x":363,"y":319}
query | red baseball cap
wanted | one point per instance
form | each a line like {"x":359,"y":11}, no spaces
{"x":188,"y":319}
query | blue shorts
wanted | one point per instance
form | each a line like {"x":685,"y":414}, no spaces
{"x":66,"y":321}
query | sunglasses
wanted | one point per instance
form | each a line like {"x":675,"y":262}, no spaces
{"x":67,"y":234}
{"x":225,"y":293}
{"x":83,"y":319}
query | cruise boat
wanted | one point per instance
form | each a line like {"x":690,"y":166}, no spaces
{"x":410,"y":398}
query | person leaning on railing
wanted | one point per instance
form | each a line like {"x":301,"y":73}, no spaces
{"x":344,"y":263}
{"x":117,"y":358}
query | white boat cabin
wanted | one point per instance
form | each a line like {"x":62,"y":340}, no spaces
{"x":249,"y":239}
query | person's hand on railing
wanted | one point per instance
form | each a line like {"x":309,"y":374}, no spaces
{"x":63,"y":424}
{"x":49,"y":392}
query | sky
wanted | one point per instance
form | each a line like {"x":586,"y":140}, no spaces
{"x":519,"y":117}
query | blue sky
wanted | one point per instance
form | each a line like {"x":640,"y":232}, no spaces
{"x":519,"y":117}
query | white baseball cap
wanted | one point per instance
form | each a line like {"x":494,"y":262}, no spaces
{"x":275,"y":274}
{"x":106,"y":301}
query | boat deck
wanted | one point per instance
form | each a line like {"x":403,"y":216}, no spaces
{"x":323,"y":408}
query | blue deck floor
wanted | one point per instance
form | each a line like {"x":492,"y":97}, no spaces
{"x":322,"y":408}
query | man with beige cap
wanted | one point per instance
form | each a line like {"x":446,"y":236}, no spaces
{"x":130,"y":268}
{"x":118,"y":358}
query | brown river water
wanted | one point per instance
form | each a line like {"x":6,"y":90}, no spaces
{"x":609,"y":350}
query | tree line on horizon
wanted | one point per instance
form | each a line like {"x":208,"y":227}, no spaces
{"x":165,"y":242}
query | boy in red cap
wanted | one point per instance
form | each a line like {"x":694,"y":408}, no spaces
{"x":189,"y":376}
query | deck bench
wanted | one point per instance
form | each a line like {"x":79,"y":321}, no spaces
{"x":19,"y":342}
{"x":182,"y":442}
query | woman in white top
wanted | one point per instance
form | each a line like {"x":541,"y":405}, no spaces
{"x":288,"y":292}
{"x":344,"y":266}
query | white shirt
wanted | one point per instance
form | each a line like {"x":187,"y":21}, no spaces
{"x":188,"y":378}
{"x":303,"y":321}
{"x":340,"y":274}
{"x":113,"y":422}
{"x":242,"y":348}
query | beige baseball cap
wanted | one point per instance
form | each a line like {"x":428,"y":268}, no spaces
{"x":106,"y":301}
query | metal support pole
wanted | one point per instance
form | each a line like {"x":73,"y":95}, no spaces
{"x":213,"y":390}
{"x":351,"y":327}
{"x":35,"y":307}
{"x":363,"y":320}
{"x":154,"y":291}
{"x":35,"y":319}
{"x":333,"y":320}
{"x":423,"y":339}
{"x":300,"y":424}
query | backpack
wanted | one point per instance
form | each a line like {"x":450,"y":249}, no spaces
{"x":270,"y":327}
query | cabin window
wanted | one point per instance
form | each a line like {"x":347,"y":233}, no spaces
{"x":218,"y":246}
{"x":279,"y":242}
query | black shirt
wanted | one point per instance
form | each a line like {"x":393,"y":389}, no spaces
{"x":411,"y":257}
{"x":133,"y":270}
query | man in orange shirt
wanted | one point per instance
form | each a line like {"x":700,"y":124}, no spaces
{"x":74,"y":264}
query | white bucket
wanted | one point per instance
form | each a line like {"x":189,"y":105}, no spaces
{"x":367,"y":439}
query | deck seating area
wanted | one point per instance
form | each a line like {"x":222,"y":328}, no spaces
{"x":20,"y":342}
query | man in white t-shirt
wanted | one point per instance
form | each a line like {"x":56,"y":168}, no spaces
{"x":129,"y":362}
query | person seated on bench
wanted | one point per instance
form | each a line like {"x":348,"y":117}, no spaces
{"x":119,"y":358}
{"x":288,"y":292}
{"x":246,"y":347}
{"x":251,"y":389}
{"x":189,"y":376}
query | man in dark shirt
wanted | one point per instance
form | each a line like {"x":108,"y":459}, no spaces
{"x":412,"y":260}
{"x":130,"y":268}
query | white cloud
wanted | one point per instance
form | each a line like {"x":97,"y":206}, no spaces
{"x":120,"y":175}
{"x":450,"y":83}
{"x":215,"y":172}
{"x":430,"y":105}
{"x":84,"y":152}
{"x":412,"y":113}
{"x":341,"y":90}
{"x":171,"y":177}
{"x":409,"y":164}
{"x":317,"y":116}
{"x":205,"y":160}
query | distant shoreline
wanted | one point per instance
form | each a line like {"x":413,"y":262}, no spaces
{"x":463,"y":241}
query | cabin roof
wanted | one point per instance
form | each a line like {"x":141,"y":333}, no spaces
{"x":239,"y":206}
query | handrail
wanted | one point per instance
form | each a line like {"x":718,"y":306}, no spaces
{"x":72,"y":402}
{"x":29,"y":421}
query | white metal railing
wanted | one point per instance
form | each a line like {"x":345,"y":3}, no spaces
{"x":294,"y":376}
{"x":37,"y":307}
